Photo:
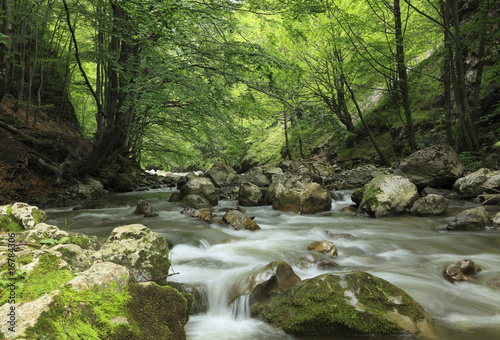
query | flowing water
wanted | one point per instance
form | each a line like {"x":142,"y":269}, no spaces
{"x":409,"y":252}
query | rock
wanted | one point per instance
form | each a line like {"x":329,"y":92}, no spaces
{"x":461,"y":271}
{"x":200,"y":296}
{"x":249,"y":195}
{"x":175,"y":197}
{"x":20,"y":216}
{"x":204,"y":215}
{"x":92,"y":188}
{"x":239,"y":221}
{"x":308,"y":199}
{"x":255,"y":176}
{"x":144,"y":208}
{"x":74,"y":255}
{"x":489,"y":199}
{"x":429,"y":205}
{"x":447,"y":193}
{"x":103,"y":275}
{"x":387,"y":195}
{"x":496,"y":219}
{"x":354,"y":303}
{"x":123,"y":182}
{"x":325,"y":247}
{"x":201,"y":186}
{"x":195,"y":201}
{"x":222,"y":175}
{"x":262,"y":282}
{"x":435,"y":166}
{"x":470,"y":220}
{"x":142,"y":251}
{"x":43,"y":231}
{"x":282,"y":183}
{"x":482,"y":180}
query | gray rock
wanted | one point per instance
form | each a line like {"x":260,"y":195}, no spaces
{"x":470,"y":220}
{"x":249,"y":195}
{"x":482,"y":180}
{"x":429,"y":205}
{"x":222,"y":175}
{"x":307,"y":199}
{"x":200,"y":186}
{"x":255,"y":176}
{"x":102,"y":275}
{"x":25,"y":215}
{"x":195,"y":201}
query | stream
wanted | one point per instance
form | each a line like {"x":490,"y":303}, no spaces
{"x":409,"y":252}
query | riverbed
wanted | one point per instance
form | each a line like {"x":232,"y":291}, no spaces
{"x":410,"y":252}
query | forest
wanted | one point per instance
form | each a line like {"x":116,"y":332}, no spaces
{"x":182,"y":84}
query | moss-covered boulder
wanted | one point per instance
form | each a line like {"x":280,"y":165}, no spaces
{"x":354,"y":303}
{"x":138,"y":248}
{"x":20,"y":216}
{"x":387,"y":195}
{"x":307,"y":199}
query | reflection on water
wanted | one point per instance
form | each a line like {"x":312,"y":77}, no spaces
{"x":409,"y":252}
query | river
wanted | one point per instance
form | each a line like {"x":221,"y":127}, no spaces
{"x":409,"y":252}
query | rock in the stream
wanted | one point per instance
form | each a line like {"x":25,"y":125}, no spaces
{"x":470,"y":220}
{"x":239,"y":221}
{"x":255,"y":176}
{"x":201,"y":186}
{"x":249,"y":195}
{"x":464,"y":270}
{"x":325,"y":247}
{"x":142,"y":251}
{"x":478,"y":182}
{"x":222,"y":175}
{"x":204,"y":215}
{"x":387,"y":195}
{"x":307,"y":199}
{"x":144,"y":208}
{"x":435,"y":166}
{"x":195,"y":202}
{"x":429,"y":205}
{"x":354,"y":303}
{"x":262,"y":282}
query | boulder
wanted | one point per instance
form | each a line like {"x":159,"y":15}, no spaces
{"x":20,"y":216}
{"x":282,"y":183}
{"x":308,"y":199}
{"x":144,"y":208}
{"x":354,"y":303}
{"x":429,"y":205}
{"x":435,"y":166}
{"x":201,"y":186}
{"x":325,"y":247}
{"x":464,"y":270}
{"x":142,"y":251}
{"x":470,"y":220}
{"x":74,"y":255}
{"x":102,"y":275}
{"x":489,"y":199}
{"x":239,"y":221}
{"x":262,"y":282}
{"x":204,"y":215}
{"x":249,"y":195}
{"x":255,"y":176}
{"x":123,"y":182}
{"x":195,"y":201}
{"x":91,"y":188}
{"x":222,"y":175}
{"x":482,"y":180}
{"x":387,"y":195}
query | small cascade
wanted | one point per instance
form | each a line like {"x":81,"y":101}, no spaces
{"x":240,"y":308}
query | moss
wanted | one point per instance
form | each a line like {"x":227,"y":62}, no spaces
{"x":370,"y":196}
{"x":39,"y":216}
{"x":28,"y":258}
{"x":10,"y":224}
{"x":85,"y":242}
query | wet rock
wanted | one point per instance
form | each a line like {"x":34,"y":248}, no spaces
{"x":447,"y":193}
{"x":470,"y":220}
{"x":204,"y":215}
{"x":327,"y":265}
{"x":249,"y":195}
{"x":345,"y":303}
{"x":222,"y":175}
{"x":435,"y":166}
{"x":325,"y":247}
{"x":429,"y":205}
{"x":308,"y":199}
{"x":195,"y":201}
{"x":263,"y":281}
{"x":387,"y":195}
{"x":175,"y":197}
{"x":474,"y":184}
{"x":464,"y":270}
{"x":200,"y":296}
{"x":144,"y":208}
{"x":200,"y":186}
{"x":239,"y":221}
{"x":142,"y":251}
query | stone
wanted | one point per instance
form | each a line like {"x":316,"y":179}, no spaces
{"x":387,"y":195}
{"x":482,"y":180}
{"x":470,"y":220}
{"x":201,"y":186}
{"x":435,"y":166}
{"x":175,"y":197}
{"x":489,"y":199}
{"x":464,"y":270}
{"x":353,"y":303}
{"x":308,"y":199}
{"x":249,"y":195}
{"x":204,"y":215}
{"x":429,"y":205}
{"x":102,"y":275}
{"x":222,"y":175}
{"x":21,"y":216}
{"x":123,"y":182}
{"x":92,"y":188}
{"x":43,"y":231}
{"x":142,"y":251}
{"x":325,"y":247}
{"x":144,"y":208}
{"x":74,"y":255}
{"x":262,"y":282}
{"x":195,"y":201}
{"x":239,"y":221}
{"x":254,"y":176}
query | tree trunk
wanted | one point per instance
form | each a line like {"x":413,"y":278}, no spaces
{"x":447,"y":86}
{"x":5,"y":49}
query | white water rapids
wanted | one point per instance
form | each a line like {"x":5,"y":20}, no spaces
{"x":409,"y":252}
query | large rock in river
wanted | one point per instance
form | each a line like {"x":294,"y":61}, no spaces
{"x":200,"y":186}
{"x":355,"y":303}
{"x":435,"y":166}
{"x":239,"y":221}
{"x":387,"y":195}
{"x":249,"y":195}
{"x":470,"y":220}
{"x":222,"y":175}
{"x":429,"y":205}
{"x":307,"y":199}
{"x":474,"y":184}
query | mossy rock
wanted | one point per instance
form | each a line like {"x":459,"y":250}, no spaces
{"x":355,"y":303}
{"x":20,"y":216}
{"x":195,"y":201}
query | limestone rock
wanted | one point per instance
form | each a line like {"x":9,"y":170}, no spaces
{"x":222,"y":175}
{"x":470,"y":220}
{"x":249,"y":195}
{"x":345,"y":303}
{"x":239,"y":221}
{"x":482,"y":180}
{"x":25,"y":215}
{"x":201,"y":186}
{"x":429,"y":205}
{"x":325,"y":247}
{"x":74,"y":255}
{"x":308,"y":199}
{"x":388,"y":195}
{"x":103,"y":275}
{"x":435,"y":166}
{"x":255,"y":176}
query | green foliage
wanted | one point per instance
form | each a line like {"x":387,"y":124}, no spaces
{"x":471,"y":160}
